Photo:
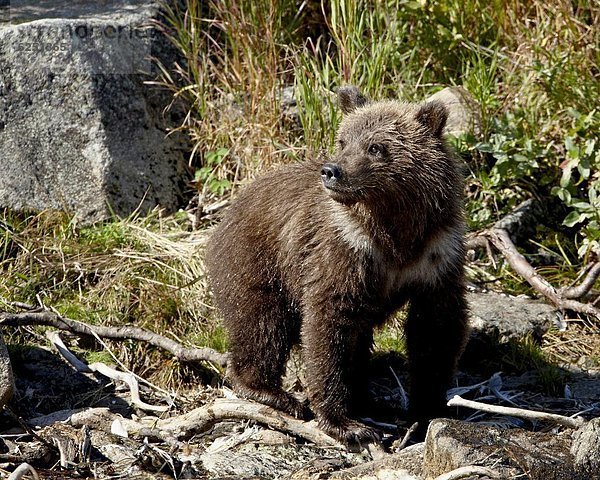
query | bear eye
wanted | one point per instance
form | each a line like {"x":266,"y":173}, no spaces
{"x":342,"y":144}
{"x":375,"y":149}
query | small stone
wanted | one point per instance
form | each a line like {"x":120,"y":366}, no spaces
{"x":464,"y":113}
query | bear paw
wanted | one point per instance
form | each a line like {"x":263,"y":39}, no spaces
{"x":351,"y":433}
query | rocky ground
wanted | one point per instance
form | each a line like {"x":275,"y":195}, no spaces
{"x":69,"y":424}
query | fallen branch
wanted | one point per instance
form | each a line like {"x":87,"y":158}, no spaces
{"x":118,"y":333}
{"x":203,"y":418}
{"x":561,"y":299}
{"x":571,"y":422}
{"x":464,"y":472}
{"x":125,"y":377}
{"x":23,"y":470}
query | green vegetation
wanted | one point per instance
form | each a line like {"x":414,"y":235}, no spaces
{"x":531,"y":66}
{"x":526,"y":355}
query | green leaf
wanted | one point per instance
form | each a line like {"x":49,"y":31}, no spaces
{"x":581,"y":205}
{"x":562,"y":193}
{"x":484,"y":147}
{"x":573,"y":219}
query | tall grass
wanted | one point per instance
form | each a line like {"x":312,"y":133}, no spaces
{"x":233,"y":66}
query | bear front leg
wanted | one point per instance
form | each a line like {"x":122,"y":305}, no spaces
{"x":261,"y":332}
{"x":335,"y":350}
{"x":436,"y":333}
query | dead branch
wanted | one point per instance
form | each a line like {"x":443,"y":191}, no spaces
{"x":571,"y":422}
{"x":585,"y":286}
{"x":125,"y":377}
{"x":464,"y":472}
{"x":23,"y":470}
{"x":131,"y":382}
{"x":500,"y":239}
{"x":203,"y":418}
{"x":117,"y":333}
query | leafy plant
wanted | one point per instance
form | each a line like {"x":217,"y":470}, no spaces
{"x":579,"y":186}
{"x":206,"y":177}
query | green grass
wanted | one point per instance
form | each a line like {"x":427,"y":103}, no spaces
{"x":145,"y":271}
{"x":527,"y":355}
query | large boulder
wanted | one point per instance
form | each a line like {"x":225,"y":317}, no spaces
{"x":513,"y":453}
{"x":80,"y":130}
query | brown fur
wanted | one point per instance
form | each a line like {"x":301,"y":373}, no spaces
{"x":322,"y":261}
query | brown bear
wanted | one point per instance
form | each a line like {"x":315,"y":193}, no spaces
{"x":321,"y":252}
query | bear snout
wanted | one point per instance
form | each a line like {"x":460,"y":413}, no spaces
{"x":331,"y":174}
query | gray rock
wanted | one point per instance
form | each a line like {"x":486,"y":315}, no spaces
{"x":586,"y":448}
{"x":513,"y":453}
{"x":404,"y":465}
{"x":79,"y":128}
{"x":7,"y":380}
{"x":506,"y":318}
{"x":464,"y":113}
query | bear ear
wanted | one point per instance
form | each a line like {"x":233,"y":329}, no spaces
{"x":433,"y":116}
{"x":350,"y":98}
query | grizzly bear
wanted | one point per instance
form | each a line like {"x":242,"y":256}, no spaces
{"x":321,"y":252}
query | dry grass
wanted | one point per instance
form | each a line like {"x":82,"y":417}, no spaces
{"x":145,"y":271}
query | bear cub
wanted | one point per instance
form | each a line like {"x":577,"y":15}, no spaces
{"x":321,"y":252}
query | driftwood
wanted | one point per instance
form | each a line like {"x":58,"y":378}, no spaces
{"x":117,"y":333}
{"x":203,"y":418}
{"x":571,"y":422}
{"x":23,"y":470}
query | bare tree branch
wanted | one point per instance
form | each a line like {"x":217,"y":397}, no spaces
{"x":134,"y":333}
{"x":500,"y":239}
{"x":585,"y":286}
{"x":571,"y":422}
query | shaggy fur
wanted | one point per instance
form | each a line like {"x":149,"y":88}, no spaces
{"x":321,"y":252}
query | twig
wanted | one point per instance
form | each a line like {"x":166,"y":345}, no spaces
{"x":23,"y":470}
{"x":409,"y":433}
{"x":464,"y":472}
{"x":134,"y":333}
{"x":570,"y":422}
{"x":585,"y":286}
{"x":501,"y":240}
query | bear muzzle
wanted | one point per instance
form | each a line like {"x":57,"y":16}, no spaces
{"x":331,"y":175}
